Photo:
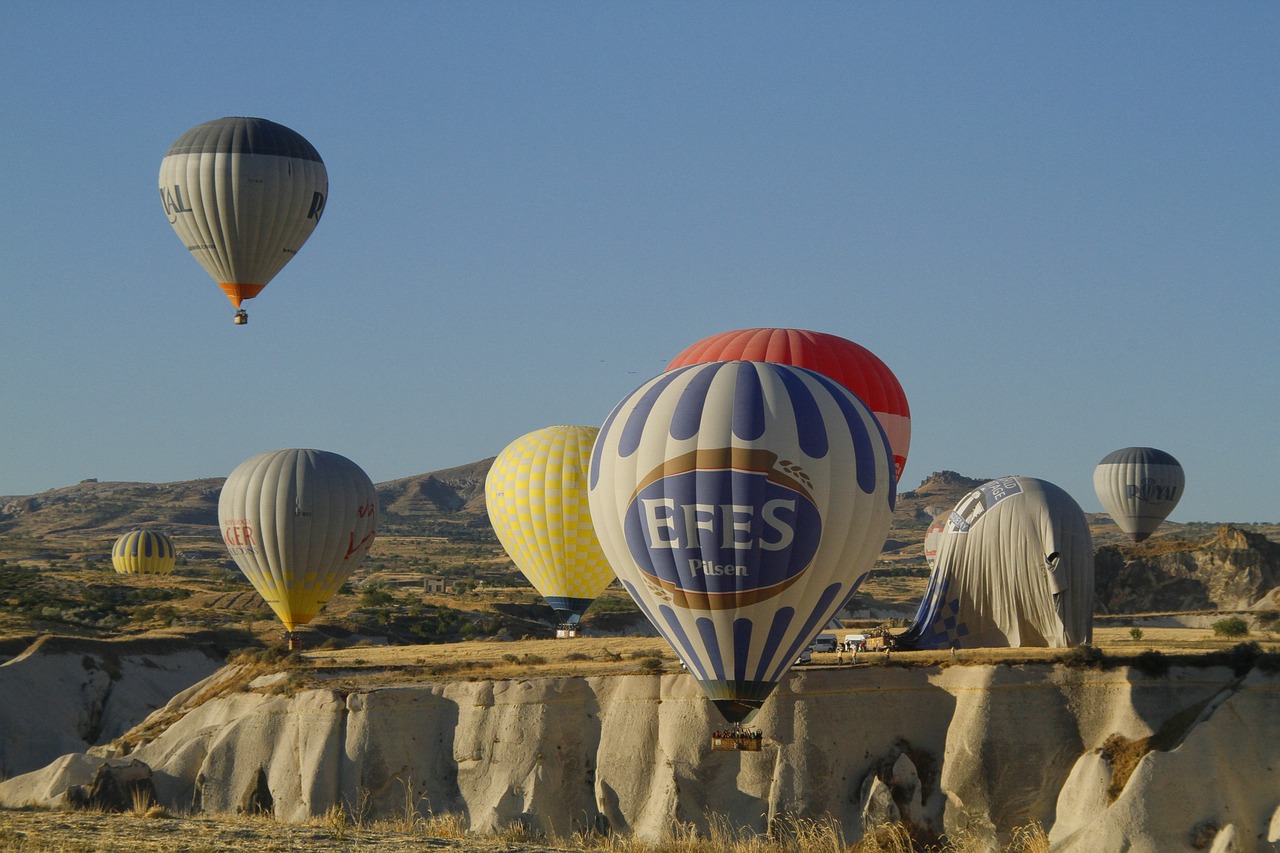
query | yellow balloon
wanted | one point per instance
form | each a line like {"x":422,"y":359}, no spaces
{"x":143,"y":552}
{"x":536,"y":494}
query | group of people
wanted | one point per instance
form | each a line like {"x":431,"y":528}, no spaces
{"x":737,"y":733}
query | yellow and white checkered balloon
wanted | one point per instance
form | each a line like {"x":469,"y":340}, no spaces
{"x":536,"y":494}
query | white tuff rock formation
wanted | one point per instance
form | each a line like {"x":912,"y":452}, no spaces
{"x":979,"y":749}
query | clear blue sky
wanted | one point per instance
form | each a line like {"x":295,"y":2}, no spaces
{"x":1059,"y":224}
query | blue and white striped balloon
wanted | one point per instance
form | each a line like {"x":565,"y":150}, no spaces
{"x":741,"y":503}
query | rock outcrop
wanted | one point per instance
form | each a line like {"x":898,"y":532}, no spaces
{"x":936,"y":494}
{"x":1234,"y":571}
{"x":975,"y":750}
{"x":65,"y":695}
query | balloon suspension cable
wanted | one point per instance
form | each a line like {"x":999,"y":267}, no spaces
{"x":737,"y":738}
{"x":241,"y":318}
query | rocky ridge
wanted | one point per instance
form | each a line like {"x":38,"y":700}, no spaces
{"x":1234,"y":570}
{"x":1104,"y":759}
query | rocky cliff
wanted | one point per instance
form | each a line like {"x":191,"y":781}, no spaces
{"x":64,"y":694}
{"x":1104,"y":759}
{"x":1235,"y":570}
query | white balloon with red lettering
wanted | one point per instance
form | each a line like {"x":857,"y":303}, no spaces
{"x":741,"y":503}
{"x":298,"y":523}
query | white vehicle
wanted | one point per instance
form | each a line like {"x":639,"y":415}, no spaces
{"x":854,"y":642}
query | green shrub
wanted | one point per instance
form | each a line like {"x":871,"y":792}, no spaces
{"x":1231,"y":627}
{"x":1135,"y":633}
{"x":375,"y":595}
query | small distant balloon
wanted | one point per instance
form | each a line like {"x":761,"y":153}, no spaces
{"x":243,"y":195}
{"x":536,"y":496}
{"x":853,"y":366}
{"x":741,"y":503}
{"x":143,"y":552}
{"x":298,"y":523}
{"x":1139,"y":487}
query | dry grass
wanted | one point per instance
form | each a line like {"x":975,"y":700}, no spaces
{"x":370,"y":666}
{"x":83,"y":832}
{"x":580,"y":656}
{"x":31,"y":831}
{"x":1123,"y":755}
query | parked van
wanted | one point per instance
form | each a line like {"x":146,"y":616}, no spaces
{"x":824,"y":643}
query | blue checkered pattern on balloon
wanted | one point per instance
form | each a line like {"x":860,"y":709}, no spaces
{"x":946,"y":628}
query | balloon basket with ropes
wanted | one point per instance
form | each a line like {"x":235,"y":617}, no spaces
{"x":568,"y":630}
{"x":737,"y":738}
{"x":292,"y":641}
{"x":241,"y":318}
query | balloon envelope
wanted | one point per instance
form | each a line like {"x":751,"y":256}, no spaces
{"x":931,"y":538}
{"x":741,"y":503}
{"x":298,"y":523}
{"x":853,"y":366}
{"x":143,"y":552}
{"x":536,"y":495}
{"x":243,"y":195}
{"x":1014,"y":568}
{"x":1139,"y":487}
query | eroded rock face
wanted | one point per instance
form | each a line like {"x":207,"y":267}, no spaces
{"x":1233,"y":571}
{"x":65,"y":694}
{"x":977,"y":750}
{"x":1214,"y":784}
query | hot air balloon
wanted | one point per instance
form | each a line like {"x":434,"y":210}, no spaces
{"x":298,"y":523}
{"x":931,"y":538}
{"x":1139,"y":486}
{"x":536,"y":494}
{"x":740,"y":504}
{"x":1014,"y":568}
{"x":853,"y":366}
{"x":243,"y":195}
{"x":143,"y":552}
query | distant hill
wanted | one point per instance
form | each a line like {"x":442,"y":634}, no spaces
{"x":91,"y":508}
{"x":439,"y":503}
{"x":1182,"y":567}
{"x":938,"y":493}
